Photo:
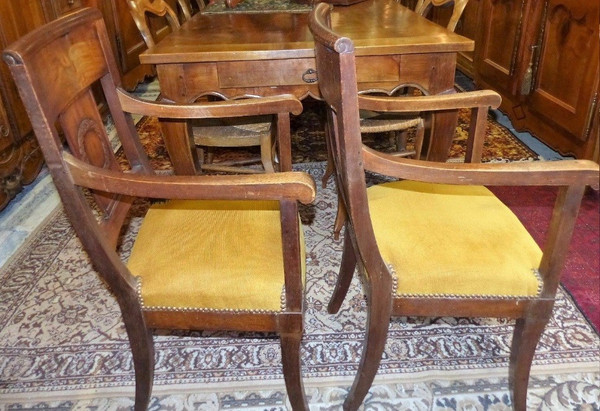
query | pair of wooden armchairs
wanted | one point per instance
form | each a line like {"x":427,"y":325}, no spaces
{"x":257,"y":131}
{"x":434,"y":243}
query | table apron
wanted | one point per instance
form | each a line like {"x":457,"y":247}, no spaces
{"x":186,"y":82}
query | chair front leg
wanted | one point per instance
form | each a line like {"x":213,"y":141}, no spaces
{"x":378,"y":322}
{"x":526,"y":336}
{"x":290,"y":358}
{"x":142,"y":350}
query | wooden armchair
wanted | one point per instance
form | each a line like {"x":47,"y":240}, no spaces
{"x":216,"y":253}
{"x":247,"y":132}
{"x":437,"y":242}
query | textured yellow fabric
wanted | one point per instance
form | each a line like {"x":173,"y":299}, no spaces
{"x":223,"y":255}
{"x":452,"y":240}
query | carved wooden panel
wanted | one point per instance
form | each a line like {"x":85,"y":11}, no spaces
{"x":566,"y":73}
{"x":498,"y":41}
{"x":20,"y":159}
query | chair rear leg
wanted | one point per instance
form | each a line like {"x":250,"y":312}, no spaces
{"x":378,"y":321}
{"x":292,"y":369}
{"x":340,"y":219}
{"x":329,"y":169}
{"x":419,"y":137}
{"x":328,"y":172}
{"x":266,"y":153}
{"x":142,"y":349}
{"x":345,"y":274}
{"x":526,"y":336}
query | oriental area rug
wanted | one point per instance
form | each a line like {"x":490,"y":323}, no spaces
{"x":63,"y":345}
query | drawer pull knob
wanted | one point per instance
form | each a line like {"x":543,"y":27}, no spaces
{"x":4,"y":131}
{"x":310,"y":76}
{"x":70,"y":2}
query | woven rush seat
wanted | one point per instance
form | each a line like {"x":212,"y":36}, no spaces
{"x":210,"y":132}
{"x":382,"y":124}
{"x":474,"y":247}
{"x":225,"y":255}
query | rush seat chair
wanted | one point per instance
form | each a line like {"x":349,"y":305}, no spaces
{"x":220,"y":252}
{"x":437,"y":242}
{"x":257,"y":131}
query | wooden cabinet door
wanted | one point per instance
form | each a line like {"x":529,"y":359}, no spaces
{"x":17,"y":18}
{"x":498,"y":42}
{"x":565,"y":85}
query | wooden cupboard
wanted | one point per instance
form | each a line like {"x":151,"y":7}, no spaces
{"x":20,"y":158}
{"x":542,"y":57}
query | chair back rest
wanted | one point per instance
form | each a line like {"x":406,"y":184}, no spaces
{"x":140,"y":8}
{"x":186,"y":9}
{"x":424,"y":6}
{"x":336,"y":68}
{"x":54,"y":68}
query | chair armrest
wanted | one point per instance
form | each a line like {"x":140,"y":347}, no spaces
{"x":269,"y":186}
{"x":550,"y":173}
{"x":411,"y":104}
{"x":227,"y":108}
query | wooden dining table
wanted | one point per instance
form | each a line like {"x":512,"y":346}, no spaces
{"x":260,"y":54}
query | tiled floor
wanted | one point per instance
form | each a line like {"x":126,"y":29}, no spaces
{"x":21,"y":217}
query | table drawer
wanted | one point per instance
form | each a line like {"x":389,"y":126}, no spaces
{"x":267,"y":73}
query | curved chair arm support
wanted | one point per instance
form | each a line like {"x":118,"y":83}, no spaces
{"x":270,"y":186}
{"x":550,"y":173}
{"x":228,"y":108}
{"x":455,"y":101}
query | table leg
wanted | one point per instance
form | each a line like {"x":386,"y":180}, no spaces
{"x":443,"y":124}
{"x":442,"y":134}
{"x":181,"y":148}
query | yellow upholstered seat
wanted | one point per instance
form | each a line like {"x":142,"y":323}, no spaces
{"x":224,"y":255}
{"x":453,"y":240}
